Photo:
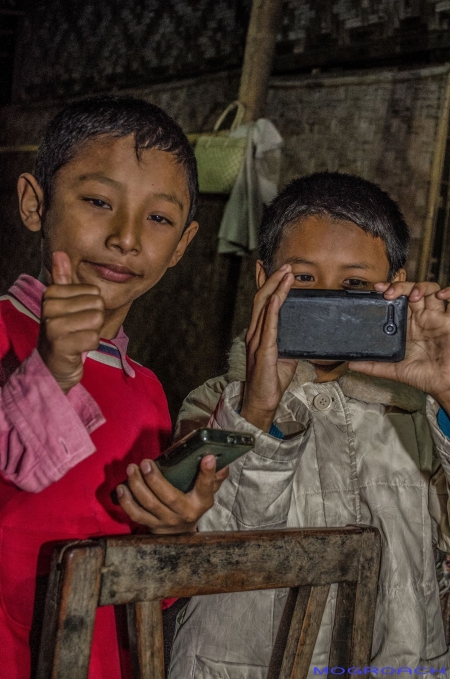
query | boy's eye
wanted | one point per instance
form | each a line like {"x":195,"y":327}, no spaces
{"x":356,"y":283}
{"x":304,"y":277}
{"x":159,"y":219}
{"x":98,"y":202}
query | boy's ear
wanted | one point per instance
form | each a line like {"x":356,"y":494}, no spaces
{"x":400,"y":276}
{"x":31,"y":201}
{"x":184,"y":241}
{"x":261,"y":275}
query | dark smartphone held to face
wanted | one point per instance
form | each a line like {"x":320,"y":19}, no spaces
{"x":180,"y":463}
{"x":342,"y":325}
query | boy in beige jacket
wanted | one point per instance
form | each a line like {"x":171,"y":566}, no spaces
{"x":336,"y":443}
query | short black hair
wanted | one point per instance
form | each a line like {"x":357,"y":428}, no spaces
{"x":117,"y":116}
{"x":340,"y":196}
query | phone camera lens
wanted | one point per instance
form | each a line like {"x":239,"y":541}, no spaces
{"x":390,"y":328}
{"x":231,"y":439}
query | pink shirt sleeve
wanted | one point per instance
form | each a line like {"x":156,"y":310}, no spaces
{"x":43,"y":432}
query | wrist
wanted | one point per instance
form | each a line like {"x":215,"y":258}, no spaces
{"x":444,"y":401}
{"x":262,"y":419}
{"x":65,"y":381}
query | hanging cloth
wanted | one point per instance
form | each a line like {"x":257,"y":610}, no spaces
{"x":256,"y":186}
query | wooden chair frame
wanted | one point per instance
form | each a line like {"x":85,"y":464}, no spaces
{"x":139,"y":571}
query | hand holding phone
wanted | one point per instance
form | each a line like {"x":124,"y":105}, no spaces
{"x":426,"y":365}
{"x":151,"y":500}
{"x":267,"y":375}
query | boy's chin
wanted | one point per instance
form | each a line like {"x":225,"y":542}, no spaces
{"x":326,"y":364}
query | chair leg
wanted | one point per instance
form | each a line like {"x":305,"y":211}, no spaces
{"x":342,"y":639}
{"x":72,"y":599}
{"x":366,"y":599}
{"x":298,"y":631}
{"x":145,"y":631}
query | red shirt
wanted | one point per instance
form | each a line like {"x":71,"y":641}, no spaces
{"x":77,"y":505}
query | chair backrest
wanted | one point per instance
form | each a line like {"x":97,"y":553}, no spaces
{"x":139,"y":571}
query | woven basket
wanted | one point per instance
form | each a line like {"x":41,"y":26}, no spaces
{"x":219,"y":156}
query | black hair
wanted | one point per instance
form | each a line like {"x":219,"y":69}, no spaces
{"x":340,"y":196}
{"x":119,"y":117}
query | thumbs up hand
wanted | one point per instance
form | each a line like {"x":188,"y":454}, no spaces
{"x":71,"y":321}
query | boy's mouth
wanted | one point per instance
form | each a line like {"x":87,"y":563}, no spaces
{"x":113,"y":272}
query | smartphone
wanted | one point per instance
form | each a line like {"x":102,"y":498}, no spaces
{"x":342,"y":325}
{"x":180,"y":463}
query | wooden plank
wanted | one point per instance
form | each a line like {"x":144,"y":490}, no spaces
{"x":50,"y":620}
{"x":305,"y":627}
{"x":366,"y":598}
{"x":258,"y":57}
{"x":435,"y":185}
{"x":146,"y":640}
{"x":70,"y":615}
{"x":279,"y":648}
{"x":297,"y":633}
{"x":144,"y":568}
{"x":341,"y":642}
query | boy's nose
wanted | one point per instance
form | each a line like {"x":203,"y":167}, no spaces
{"x":125,"y":236}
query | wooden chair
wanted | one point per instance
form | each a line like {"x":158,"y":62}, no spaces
{"x":141,"y":570}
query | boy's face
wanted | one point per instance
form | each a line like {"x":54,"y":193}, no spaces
{"x":120,"y":219}
{"x":331,"y":254}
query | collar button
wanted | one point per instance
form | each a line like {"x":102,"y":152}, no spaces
{"x":322,"y":401}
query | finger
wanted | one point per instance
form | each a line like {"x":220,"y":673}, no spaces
{"x":381,"y":287}
{"x":424,"y":296}
{"x":265,"y":292}
{"x":68,"y":291}
{"x":134,"y":511}
{"x":395,"y":290}
{"x":203,"y":490}
{"x":61,"y":269}
{"x":60,"y":326}
{"x":415,"y":291}
{"x":268,"y":319}
{"x":52,"y":308}
{"x":420,"y":295}
{"x":74,"y":344}
{"x":443,"y":294}
{"x":220,"y":477}
{"x":270,"y":329}
{"x":255,"y":341}
{"x":143,"y":487}
{"x":374,"y":368}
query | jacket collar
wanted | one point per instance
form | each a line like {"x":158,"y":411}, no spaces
{"x":28,"y":291}
{"x":354,"y":385}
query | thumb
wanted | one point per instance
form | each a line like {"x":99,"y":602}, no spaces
{"x":61,"y":269}
{"x":375,"y":368}
{"x":204,"y":484}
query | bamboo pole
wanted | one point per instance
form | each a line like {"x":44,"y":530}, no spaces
{"x":258,"y":57}
{"x":435,"y":185}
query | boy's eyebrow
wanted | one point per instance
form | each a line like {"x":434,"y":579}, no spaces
{"x":354,"y":265}
{"x":99,"y":178}
{"x":170,"y":197}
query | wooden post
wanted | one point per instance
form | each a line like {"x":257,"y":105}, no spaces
{"x":435,"y":186}
{"x":259,"y":49}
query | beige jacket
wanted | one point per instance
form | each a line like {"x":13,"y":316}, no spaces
{"x":375,"y":456}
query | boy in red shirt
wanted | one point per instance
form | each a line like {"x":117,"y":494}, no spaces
{"x":114,"y":194}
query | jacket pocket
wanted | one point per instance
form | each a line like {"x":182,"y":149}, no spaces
{"x":204,"y":668}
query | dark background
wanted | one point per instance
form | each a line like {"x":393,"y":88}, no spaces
{"x":358,"y":86}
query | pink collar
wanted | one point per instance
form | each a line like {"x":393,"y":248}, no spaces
{"x":28,"y":291}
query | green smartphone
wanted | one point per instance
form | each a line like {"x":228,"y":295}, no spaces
{"x":180,"y":463}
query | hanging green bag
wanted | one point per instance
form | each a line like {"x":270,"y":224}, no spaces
{"x":219,"y":156}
